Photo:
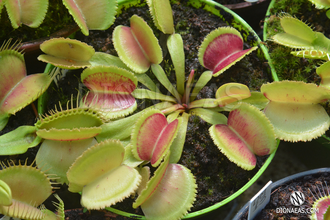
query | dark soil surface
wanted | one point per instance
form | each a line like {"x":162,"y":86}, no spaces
{"x":216,"y":176}
{"x":310,"y":186}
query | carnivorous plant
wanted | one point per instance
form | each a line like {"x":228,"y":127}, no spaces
{"x":299,"y":36}
{"x":90,"y":15}
{"x":23,"y":188}
{"x":301,"y":117}
{"x":321,"y":203}
{"x":17,"y":90}
{"x":182,"y":103}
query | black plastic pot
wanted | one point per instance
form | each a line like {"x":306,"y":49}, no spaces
{"x":243,"y":212}
{"x":251,"y":12}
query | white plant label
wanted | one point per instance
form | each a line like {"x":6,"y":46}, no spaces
{"x":259,"y":201}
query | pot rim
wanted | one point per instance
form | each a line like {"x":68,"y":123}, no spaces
{"x":270,"y":6}
{"x":243,"y":4}
{"x":265,"y":37}
{"x":280,"y":182}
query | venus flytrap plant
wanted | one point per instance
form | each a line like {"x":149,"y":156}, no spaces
{"x":247,"y":133}
{"x":30,"y":13}
{"x":321,"y":202}
{"x":324,"y":72}
{"x":154,"y":137}
{"x":110,"y":90}
{"x":17,"y":89}
{"x":170,"y":182}
{"x":66,"y":53}
{"x":91,"y":15}
{"x":23,"y":189}
{"x":101,"y":176}
{"x":299,"y":36}
{"x":144,"y":48}
{"x":64,"y":135}
{"x":156,"y":134}
{"x":67,"y":133}
{"x":294,"y":109}
{"x":221,"y":49}
{"x":161,"y":12}
{"x":183,"y":102}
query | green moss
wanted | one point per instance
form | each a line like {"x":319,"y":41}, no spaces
{"x":168,"y":68}
{"x":221,"y":177}
{"x":287,"y":66}
{"x":256,"y":81}
{"x":290,"y":6}
{"x":182,"y":27}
